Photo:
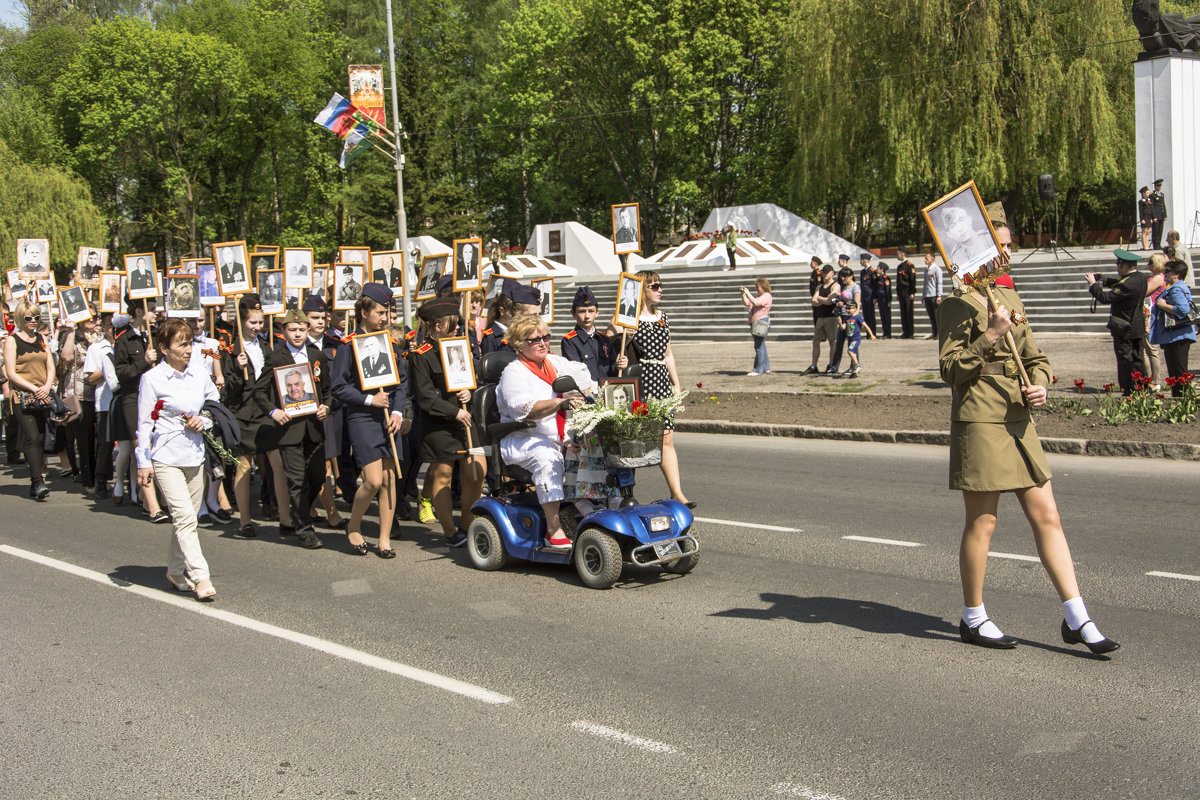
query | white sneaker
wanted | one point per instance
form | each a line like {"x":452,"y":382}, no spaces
{"x":753,"y":374}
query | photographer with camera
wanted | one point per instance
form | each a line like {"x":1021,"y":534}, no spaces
{"x":1126,"y":319}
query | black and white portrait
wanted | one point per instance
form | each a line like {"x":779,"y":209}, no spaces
{"x":626,"y":234}
{"x":295,"y":386}
{"x":33,"y":258}
{"x":291,"y":298}
{"x":298,"y":267}
{"x":183,"y":296}
{"x":88,"y":264}
{"x":387,"y":267}
{"x":142,"y":274}
{"x":232,"y":274}
{"x":17,"y":287}
{"x":431,"y":270}
{"x":347,"y":285}
{"x":546,"y":287}
{"x":210,"y":293}
{"x":74,"y":304}
{"x":961,"y":229}
{"x":619,"y":393}
{"x":45,"y":291}
{"x":629,"y":301}
{"x":320,"y":287}
{"x":457,"y":367}
{"x":467,"y":276}
{"x":354,"y":255}
{"x":270,"y":291}
{"x":112,"y":291}
{"x":375,"y":360}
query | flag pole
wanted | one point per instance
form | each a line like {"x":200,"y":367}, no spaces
{"x":398,"y":159}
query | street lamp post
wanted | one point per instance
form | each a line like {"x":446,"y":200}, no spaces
{"x":401,"y":219}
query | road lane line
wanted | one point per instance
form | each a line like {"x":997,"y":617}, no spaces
{"x":873,"y":540}
{"x":1014,"y":556}
{"x":605,"y":732}
{"x":737,"y":524}
{"x":331,"y":648}
{"x":1178,"y":575}
{"x":792,"y":790}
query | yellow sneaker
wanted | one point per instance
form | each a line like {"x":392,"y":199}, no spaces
{"x":425,"y":509}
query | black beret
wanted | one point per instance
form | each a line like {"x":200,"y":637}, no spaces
{"x":584,"y":296}
{"x":438,"y":307}
{"x":380,"y":294}
{"x":313,"y":303}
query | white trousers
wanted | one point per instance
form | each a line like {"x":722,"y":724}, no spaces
{"x":183,"y":489}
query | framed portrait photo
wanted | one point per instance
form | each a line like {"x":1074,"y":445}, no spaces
{"x":467,"y":256}
{"x":375,"y":361}
{"x":494,"y":285}
{"x":298,"y":267}
{"x":457,"y":365}
{"x":619,"y":392}
{"x":45,"y":291}
{"x":33,"y":259}
{"x":260,"y":262}
{"x":270,"y":291}
{"x":88,"y":264}
{"x":347,"y":285}
{"x":387,"y":267}
{"x":297,"y":389}
{"x":112,"y":291}
{"x":546,"y":287}
{"x":210,"y":292}
{"x":141,"y":274}
{"x":627,"y":231}
{"x":16,"y":286}
{"x":320,"y":287}
{"x":233,"y":274}
{"x":73,"y":304}
{"x":266,"y":248}
{"x":354,"y":255}
{"x":961,"y":229}
{"x":431,"y":269}
{"x":183,"y":296}
{"x":629,"y":301}
{"x":292,"y":298}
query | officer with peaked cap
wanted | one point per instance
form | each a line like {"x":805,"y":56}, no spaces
{"x":1126,"y":319}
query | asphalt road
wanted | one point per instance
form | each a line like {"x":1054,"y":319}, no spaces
{"x":792,"y":663}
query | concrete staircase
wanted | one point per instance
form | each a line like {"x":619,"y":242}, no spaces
{"x":705,"y":305}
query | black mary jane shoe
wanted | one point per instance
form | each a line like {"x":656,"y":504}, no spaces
{"x":385,"y":552}
{"x":1101,"y":647}
{"x":358,"y":549}
{"x":972,"y":636}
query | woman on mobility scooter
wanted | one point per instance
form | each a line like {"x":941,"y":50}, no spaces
{"x":525,"y":393}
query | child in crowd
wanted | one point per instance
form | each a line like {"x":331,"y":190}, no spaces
{"x":853,"y":324}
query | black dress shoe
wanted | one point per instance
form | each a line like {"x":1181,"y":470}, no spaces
{"x":1105,"y":645}
{"x":971,"y":636}
{"x":247,"y":531}
{"x":309,"y":540}
{"x":39,"y":491}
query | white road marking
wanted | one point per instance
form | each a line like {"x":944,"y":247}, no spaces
{"x":737,"y":524}
{"x":792,"y":790}
{"x":1014,"y":556}
{"x":186,"y":603}
{"x":873,"y":540}
{"x":1178,"y":575}
{"x":605,"y":732}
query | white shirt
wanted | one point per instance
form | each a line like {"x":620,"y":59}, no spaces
{"x":99,"y":359}
{"x":519,"y":389}
{"x":166,"y":440}
{"x":198,"y":357}
{"x":255,"y":354}
{"x":299,"y":356}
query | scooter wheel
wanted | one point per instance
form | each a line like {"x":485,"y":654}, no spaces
{"x":484,"y":545}
{"x":597,"y":559}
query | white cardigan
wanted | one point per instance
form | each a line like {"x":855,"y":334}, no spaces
{"x":519,"y":389}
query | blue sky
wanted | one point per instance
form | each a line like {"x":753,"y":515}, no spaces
{"x":10,"y":15}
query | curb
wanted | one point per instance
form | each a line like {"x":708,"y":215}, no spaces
{"x":1075,"y":447}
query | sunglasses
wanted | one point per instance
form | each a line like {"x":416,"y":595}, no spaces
{"x":29,"y":319}
{"x":657,"y":287}
{"x":539,"y":339}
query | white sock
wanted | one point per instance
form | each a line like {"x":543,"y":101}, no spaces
{"x":1076,"y":614}
{"x":975,"y":616}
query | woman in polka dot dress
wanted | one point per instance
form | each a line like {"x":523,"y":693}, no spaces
{"x":659,"y":377}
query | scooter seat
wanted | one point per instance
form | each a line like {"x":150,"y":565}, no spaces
{"x":518,"y":474}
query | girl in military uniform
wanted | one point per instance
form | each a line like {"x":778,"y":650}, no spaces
{"x":442,"y":422}
{"x":994,"y":449}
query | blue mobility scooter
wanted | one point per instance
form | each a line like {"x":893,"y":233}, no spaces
{"x":510,"y":523}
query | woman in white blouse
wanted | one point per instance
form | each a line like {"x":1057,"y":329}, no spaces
{"x":525,"y":393}
{"x":170,"y":449}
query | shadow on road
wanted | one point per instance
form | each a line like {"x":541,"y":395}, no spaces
{"x":864,"y":615}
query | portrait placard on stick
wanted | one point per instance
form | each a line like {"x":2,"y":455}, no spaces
{"x":546,"y":287}
{"x":320,"y":287}
{"x":88,"y":264}
{"x":961,"y":229}
{"x":629,"y":302}
{"x":73,"y":304}
{"x":298,"y":267}
{"x":266,"y":248}
{"x":17,"y":286}
{"x":354,"y":255}
{"x":270,"y":291}
{"x":387,"y":267}
{"x":233,"y":276}
{"x":297,"y":389}
{"x":141,"y":273}
{"x":33,"y":259}
{"x":375,"y":361}
{"x":183,"y":296}
{"x":112,"y":292}
{"x":347,"y":285}
{"x":431,"y":269}
{"x":457,"y":366}
{"x":45,"y":291}
{"x":467,"y":275}
{"x":210,"y":292}
{"x":627,"y":230}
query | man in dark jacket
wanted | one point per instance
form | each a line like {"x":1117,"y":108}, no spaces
{"x":906,"y":290}
{"x":1126,"y":320}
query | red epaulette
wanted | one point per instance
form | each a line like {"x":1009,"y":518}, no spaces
{"x":487,"y":332}
{"x":504,"y":341}
{"x":346,"y":340}
{"x":423,"y":349}
{"x":571,"y":334}
{"x":410,"y":335}
{"x":119,"y":335}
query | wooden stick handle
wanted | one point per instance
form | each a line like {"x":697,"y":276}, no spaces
{"x":237,"y":315}
{"x":149,"y":330}
{"x":624,"y":333}
{"x":1012,"y":345}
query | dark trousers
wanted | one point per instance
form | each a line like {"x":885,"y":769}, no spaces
{"x":732,"y":254}
{"x":885,"y":318}
{"x":836,"y":357}
{"x":304,"y":467}
{"x":906,"y":315}
{"x":1129,"y":361}
{"x":1176,"y":356}
{"x":32,"y":425}
{"x":104,"y":449}
{"x":1156,"y":234}
{"x":931,"y":305}
{"x":12,"y":434}
{"x":85,"y":437}
{"x":868,"y":310}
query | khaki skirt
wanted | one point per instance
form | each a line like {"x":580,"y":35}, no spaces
{"x":996,"y":456}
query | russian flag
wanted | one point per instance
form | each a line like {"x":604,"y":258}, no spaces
{"x":337,"y":116}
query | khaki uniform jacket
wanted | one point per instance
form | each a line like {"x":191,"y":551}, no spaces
{"x":962,"y":319}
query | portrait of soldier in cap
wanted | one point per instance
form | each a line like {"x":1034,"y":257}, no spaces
{"x":347,"y":285}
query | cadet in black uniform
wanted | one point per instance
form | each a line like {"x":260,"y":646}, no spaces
{"x":866,"y":289}
{"x":318,"y":335}
{"x":301,"y":439}
{"x":882,"y":297}
{"x":906,"y":290}
{"x":584,"y":343}
{"x":1160,"y":214}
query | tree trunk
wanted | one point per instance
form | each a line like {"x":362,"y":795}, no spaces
{"x":1070,"y":213}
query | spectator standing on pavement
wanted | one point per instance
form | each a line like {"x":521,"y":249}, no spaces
{"x":759,"y":309}
{"x":824,"y":303}
{"x":866,"y":285}
{"x":882,"y":297}
{"x":1155,"y":283}
{"x":851,"y":292}
{"x":852,"y":326}
{"x":931,"y":291}
{"x":1175,"y":250}
{"x":1146,"y":212}
{"x":814,"y":280}
{"x":906,"y":290}
{"x":1160,"y":214}
{"x":1127,"y":318}
{"x":731,"y":238}
{"x":1175,"y":301}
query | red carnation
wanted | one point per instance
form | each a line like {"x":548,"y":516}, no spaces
{"x":699,"y":385}
{"x":1054,"y":379}
{"x":639,"y":409}
{"x":1079,"y":384}
{"x":157,"y":408}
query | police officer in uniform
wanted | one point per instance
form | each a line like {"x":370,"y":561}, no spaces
{"x":1126,"y":319}
{"x":882,"y":296}
{"x":584,"y":343}
{"x":906,"y":290}
{"x":1160,"y":214}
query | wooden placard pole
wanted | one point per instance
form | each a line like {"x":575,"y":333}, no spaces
{"x":1012,"y":343}
{"x":146,"y":318}
{"x":212,"y":322}
{"x":624,"y":333}
{"x":237,"y":315}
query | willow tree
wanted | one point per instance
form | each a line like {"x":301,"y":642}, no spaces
{"x":917,"y":96}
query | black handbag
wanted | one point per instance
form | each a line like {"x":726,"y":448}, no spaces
{"x":1174,"y":323}
{"x":52,"y":405}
